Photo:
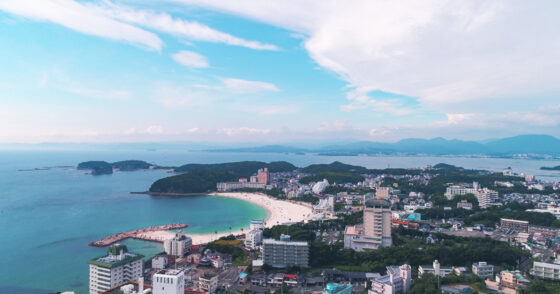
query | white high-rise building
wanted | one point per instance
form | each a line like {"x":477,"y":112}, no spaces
{"x":319,"y":187}
{"x":253,"y":238}
{"x":376,"y":229}
{"x":180,"y":245}
{"x":170,"y":281}
{"x":397,"y":281}
{"x":117,"y":267}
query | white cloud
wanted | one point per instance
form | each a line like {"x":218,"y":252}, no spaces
{"x":245,"y":86}
{"x":164,"y":22}
{"x":190,"y":59}
{"x":81,"y":18}
{"x":154,"y":130}
{"x":336,"y":126}
{"x":230,"y":132}
{"x":442,"y":51}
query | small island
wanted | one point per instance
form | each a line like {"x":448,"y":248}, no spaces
{"x":105,"y":168}
{"x":551,"y":168}
{"x":96,"y":167}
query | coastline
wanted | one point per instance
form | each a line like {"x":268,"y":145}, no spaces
{"x":278,"y":212}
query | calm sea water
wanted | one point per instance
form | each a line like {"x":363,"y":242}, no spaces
{"x":47,"y":217}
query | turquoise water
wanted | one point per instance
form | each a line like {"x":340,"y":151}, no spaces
{"x":47,"y":217}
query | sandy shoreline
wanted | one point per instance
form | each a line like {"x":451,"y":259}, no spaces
{"x":278,"y":212}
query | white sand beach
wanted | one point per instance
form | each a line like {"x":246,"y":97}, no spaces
{"x":278,"y":212}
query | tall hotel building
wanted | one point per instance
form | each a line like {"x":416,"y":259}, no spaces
{"x":285,"y":253}
{"x":375,"y":232}
{"x":117,"y":267}
{"x":263,"y":176}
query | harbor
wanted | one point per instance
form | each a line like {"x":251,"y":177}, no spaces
{"x":141,"y":234}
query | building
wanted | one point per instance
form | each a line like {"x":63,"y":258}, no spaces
{"x":483,"y":270}
{"x":285,"y":252}
{"x":512,"y":279}
{"x":263,"y":176}
{"x":319,"y":187}
{"x":554,"y":210}
{"x":464,"y":204}
{"x":256,"y":224}
{"x":325,"y":206}
{"x":549,"y":232}
{"x":486,"y":197}
{"x":208,"y":283}
{"x":383,"y":192}
{"x":180,"y":245}
{"x":117,"y":267}
{"x":516,"y":225}
{"x":254,"y":237}
{"x":547,"y":271}
{"x":231,"y":186}
{"x":398,"y":280}
{"x":376,"y":229}
{"x":160,"y":262}
{"x":334,"y":288}
{"x":435,"y":269}
{"x":170,"y":281}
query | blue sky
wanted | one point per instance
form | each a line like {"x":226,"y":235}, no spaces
{"x":182,"y":70}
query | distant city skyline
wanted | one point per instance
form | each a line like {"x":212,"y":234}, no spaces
{"x":277,"y":71}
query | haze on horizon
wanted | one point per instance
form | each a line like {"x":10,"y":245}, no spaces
{"x":277,"y":71}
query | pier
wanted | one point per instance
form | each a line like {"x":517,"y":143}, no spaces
{"x":137,"y":234}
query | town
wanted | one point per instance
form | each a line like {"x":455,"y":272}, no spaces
{"x":437,"y":229}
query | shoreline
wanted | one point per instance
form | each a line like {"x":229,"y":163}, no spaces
{"x":278,"y":212}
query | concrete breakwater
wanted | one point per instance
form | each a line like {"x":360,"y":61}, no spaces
{"x":137,"y":234}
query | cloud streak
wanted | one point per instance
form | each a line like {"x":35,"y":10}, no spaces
{"x":83,"y":19}
{"x":190,"y":59}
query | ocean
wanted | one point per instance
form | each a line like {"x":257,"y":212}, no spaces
{"x":48,"y":216}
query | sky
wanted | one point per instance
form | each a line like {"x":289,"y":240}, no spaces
{"x":277,"y":71}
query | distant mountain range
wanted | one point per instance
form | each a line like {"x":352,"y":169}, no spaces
{"x":523,"y":144}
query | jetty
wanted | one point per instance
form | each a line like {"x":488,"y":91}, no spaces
{"x":137,"y":234}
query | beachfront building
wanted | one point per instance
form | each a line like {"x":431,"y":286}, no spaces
{"x":263,"y":176}
{"x":398,"y":280}
{"x":170,"y":281}
{"x":253,"y":238}
{"x":375,"y":232}
{"x":284,"y":252}
{"x":483,"y":270}
{"x":179,"y":246}
{"x":241,"y":184}
{"x":319,"y":187}
{"x":325,"y":206}
{"x":117,"y":267}
{"x":547,"y":271}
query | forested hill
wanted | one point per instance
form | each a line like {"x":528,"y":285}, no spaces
{"x":241,"y":168}
{"x":104,"y":168}
{"x":198,"y":181}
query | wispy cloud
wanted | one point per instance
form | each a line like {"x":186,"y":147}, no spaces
{"x":242,"y":131}
{"x":245,"y":86}
{"x":164,"y":22}
{"x":190,"y":59}
{"x":82,"y":18}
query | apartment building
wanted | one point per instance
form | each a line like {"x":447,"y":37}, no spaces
{"x":483,"y":270}
{"x":117,"y":267}
{"x":284,"y":252}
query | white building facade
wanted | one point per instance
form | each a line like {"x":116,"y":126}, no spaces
{"x":117,"y":267}
{"x":169,"y":282}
